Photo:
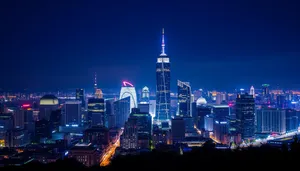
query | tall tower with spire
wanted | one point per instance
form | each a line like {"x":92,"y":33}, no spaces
{"x":163,"y":77}
{"x":95,"y":83}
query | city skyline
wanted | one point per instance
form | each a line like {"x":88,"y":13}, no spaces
{"x":57,"y":50}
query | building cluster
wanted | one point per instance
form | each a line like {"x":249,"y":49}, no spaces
{"x":95,"y":128}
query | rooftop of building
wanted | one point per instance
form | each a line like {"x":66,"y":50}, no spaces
{"x":49,"y":96}
{"x":83,"y":147}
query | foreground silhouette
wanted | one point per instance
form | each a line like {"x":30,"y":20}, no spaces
{"x":207,"y":157}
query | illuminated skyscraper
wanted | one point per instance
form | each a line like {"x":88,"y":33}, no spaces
{"x":128,"y":90}
{"x":96,"y":112}
{"x":245,"y":115}
{"x":184,"y":98}
{"x":252,"y":92}
{"x":163,"y":86}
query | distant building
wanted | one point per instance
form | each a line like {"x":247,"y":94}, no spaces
{"x":202,"y":111}
{"x":86,"y":154}
{"x":128,"y":90}
{"x":252,"y":92}
{"x":281,"y":102}
{"x":221,"y":131}
{"x":19,"y":118}
{"x":80,"y":96}
{"x":178,"y":130}
{"x":161,"y":136}
{"x":270,"y":120}
{"x":48,"y":103}
{"x":73,"y":112}
{"x":110,"y":113}
{"x":265,"y":90}
{"x":16,"y":138}
{"x":55,"y":120}
{"x":122,"y":111}
{"x":144,"y":107}
{"x":6,"y":122}
{"x":96,"y":112}
{"x":98,"y":136}
{"x":145,"y":95}
{"x":137,"y":130}
{"x":245,"y":115}
{"x":220,"y":111}
{"x":292,"y":120}
{"x":184,"y":98}
{"x":42,"y":130}
{"x":129,"y":138}
{"x":209,"y":123}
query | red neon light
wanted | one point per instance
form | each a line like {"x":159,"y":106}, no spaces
{"x":125,"y":83}
{"x":26,"y":105}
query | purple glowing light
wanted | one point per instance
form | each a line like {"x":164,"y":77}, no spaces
{"x":125,"y":84}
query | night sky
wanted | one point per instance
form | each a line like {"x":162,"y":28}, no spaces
{"x":47,"y":45}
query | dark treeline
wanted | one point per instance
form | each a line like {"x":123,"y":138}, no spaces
{"x":207,"y":157}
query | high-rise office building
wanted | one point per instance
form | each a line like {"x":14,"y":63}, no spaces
{"x":122,"y":111}
{"x":109,"y":110}
{"x":163,"y":87}
{"x":73,"y":112}
{"x":128,"y":90}
{"x":265,"y":90}
{"x":137,"y":130}
{"x":271,"y":120}
{"x":221,"y":131}
{"x":80,"y":96}
{"x":219,"y":98}
{"x":19,"y":118}
{"x":220,"y":111}
{"x":245,"y":115}
{"x":184,"y":98}
{"x":178,"y":130}
{"x":281,"y":102}
{"x":292,"y":120}
{"x":96,"y":111}
{"x":144,"y":107}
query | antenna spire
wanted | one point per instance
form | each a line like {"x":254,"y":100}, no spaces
{"x":95,"y":82}
{"x":163,"y":43}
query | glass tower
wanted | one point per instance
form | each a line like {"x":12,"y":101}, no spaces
{"x":163,"y":86}
{"x":184,"y":98}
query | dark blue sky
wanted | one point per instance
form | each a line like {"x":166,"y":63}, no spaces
{"x":218,"y":44}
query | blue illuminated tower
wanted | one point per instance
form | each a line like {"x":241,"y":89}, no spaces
{"x":163,"y":86}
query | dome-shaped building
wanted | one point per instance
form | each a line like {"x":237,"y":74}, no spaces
{"x":201,"y":101}
{"x":49,"y":100}
{"x":48,"y":103}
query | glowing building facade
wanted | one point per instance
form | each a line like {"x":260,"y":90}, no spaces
{"x":96,"y":112}
{"x":128,"y":90}
{"x":163,"y":86}
{"x":184,"y":98}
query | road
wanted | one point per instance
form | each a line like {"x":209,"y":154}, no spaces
{"x":109,"y":153}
